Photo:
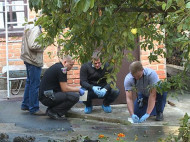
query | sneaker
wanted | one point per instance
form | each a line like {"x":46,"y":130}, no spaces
{"x":88,"y":110}
{"x":54,"y":115}
{"x":39,"y":112}
{"x":107,"y":109}
{"x":159,"y":116}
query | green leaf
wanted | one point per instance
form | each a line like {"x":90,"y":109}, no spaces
{"x":59,"y":4}
{"x":169,"y":3}
{"x":125,"y":33}
{"x":80,"y":6}
{"x":130,"y":36}
{"x":163,"y":6}
{"x":188,"y":5}
{"x":92,"y":4}
{"x":86,"y":5}
{"x":179,"y":28}
{"x":76,"y":3}
{"x":180,"y":3}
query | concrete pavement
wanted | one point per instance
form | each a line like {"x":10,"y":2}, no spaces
{"x":78,"y":125}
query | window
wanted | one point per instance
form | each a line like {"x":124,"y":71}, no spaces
{"x":16,"y":13}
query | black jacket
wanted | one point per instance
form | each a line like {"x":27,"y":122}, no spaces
{"x":90,"y":76}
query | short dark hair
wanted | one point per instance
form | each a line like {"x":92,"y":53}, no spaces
{"x":135,"y":67}
{"x":96,"y":55}
{"x":66,"y":57}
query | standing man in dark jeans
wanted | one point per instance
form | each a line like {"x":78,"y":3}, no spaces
{"x":92,"y":79}
{"x":32,"y":55}
{"x":149,"y":101}
{"x":55,"y":93}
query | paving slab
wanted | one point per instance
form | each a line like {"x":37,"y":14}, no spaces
{"x":78,"y":125}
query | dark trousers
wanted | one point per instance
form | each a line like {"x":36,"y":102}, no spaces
{"x":30,"y":98}
{"x":159,"y":105}
{"x":61,"y":103}
{"x":109,"y":97}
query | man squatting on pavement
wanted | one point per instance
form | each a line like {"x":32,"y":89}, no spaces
{"x":55,"y":92}
{"x":92,"y":79}
{"x":149,"y":101}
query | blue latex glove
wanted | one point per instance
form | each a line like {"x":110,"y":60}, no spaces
{"x":144,"y":117}
{"x":135,"y":118}
{"x":81,"y":92}
{"x":103,"y":92}
{"x":96,"y":90}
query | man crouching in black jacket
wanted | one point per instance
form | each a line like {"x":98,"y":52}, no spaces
{"x":92,"y":79}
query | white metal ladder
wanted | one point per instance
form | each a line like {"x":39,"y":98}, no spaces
{"x":9,"y":4}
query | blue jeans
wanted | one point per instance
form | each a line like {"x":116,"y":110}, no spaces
{"x":30,"y":99}
{"x":159,"y":105}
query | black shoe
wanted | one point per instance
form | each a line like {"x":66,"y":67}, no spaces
{"x":24,"y":109}
{"x":159,"y":116}
{"x":54,"y":115}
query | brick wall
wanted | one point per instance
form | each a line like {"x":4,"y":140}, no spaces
{"x":74,"y":75}
{"x":14,"y":53}
{"x":159,"y":67}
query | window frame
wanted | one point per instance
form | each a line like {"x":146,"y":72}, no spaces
{"x":13,"y":31}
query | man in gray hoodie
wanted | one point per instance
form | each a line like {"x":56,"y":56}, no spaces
{"x":32,"y":55}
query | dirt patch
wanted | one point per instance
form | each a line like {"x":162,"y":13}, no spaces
{"x":24,"y":139}
{"x":5,"y":138}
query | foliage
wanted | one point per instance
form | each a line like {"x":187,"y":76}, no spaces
{"x":175,"y":58}
{"x":172,"y":83}
{"x":184,"y":131}
{"x":107,"y":25}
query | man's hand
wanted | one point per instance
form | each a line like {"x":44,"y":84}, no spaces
{"x":103,"y":92}
{"x":96,"y":90}
{"x":81,"y":92}
{"x":144,"y":117}
{"x":135,"y":118}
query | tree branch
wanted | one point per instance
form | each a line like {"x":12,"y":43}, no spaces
{"x":151,"y":10}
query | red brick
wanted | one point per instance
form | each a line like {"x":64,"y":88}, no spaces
{"x":70,"y":76}
{"x":159,"y":72}
{"x":77,"y":81}
{"x":18,"y":62}
{"x":156,"y":63}
{"x":76,"y":72}
{"x":17,"y":54}
{"x":70,"y":81}
{"x":3,"y":55}
{"x":147,"y":52}
{"x":162,"y":77}
{"x":161,"y":67}
{"x":70,"y":72}
{"x":153,"y":67}
{"x":77,"y":76}
{"x":73,"y":76}
{"x":144,"y":57}
{"x":145,"y":63}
